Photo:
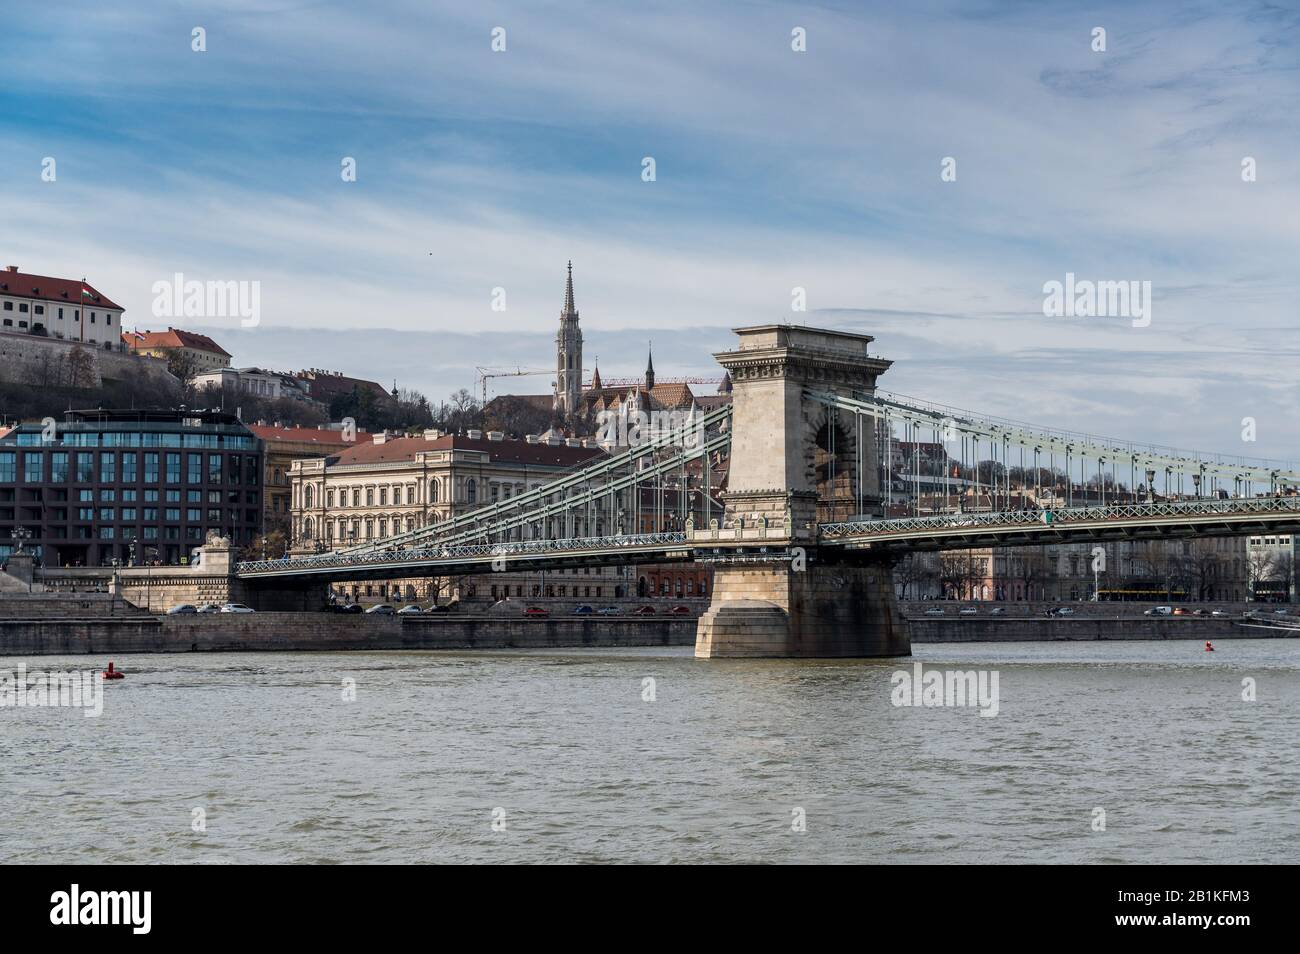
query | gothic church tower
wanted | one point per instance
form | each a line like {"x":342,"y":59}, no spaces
{"x":568,"y":357}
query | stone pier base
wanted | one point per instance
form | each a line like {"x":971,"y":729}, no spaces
{"x":769,"y":609}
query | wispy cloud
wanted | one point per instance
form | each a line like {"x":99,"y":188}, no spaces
{"x":820,"y":170}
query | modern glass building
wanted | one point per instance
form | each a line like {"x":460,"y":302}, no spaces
{"x":140,"y":487}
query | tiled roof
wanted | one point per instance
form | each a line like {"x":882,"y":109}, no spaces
{"x":45,"y":288}
{"x":513,"y":452}
{"x":305,"y":435}
{"x":172,"y":338}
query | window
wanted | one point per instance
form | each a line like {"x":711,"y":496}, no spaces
{"x":309,"y":497}
{"x":107,"y":467}
{"x":40,"y":309}
{"x":128,"y":467}
{"x":8,"y":466}
{"x":151,"y":468}
{"x":173,"y":468}
{"x":214,"y":468}
{"x":471,"y":491}
{"x":85,"y":468}
{"x":33,"y":466}
{"x":59,"y":467}
{"x":433,"y":491}
{"x":194,"y":468}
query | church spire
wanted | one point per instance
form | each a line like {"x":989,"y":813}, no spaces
{"x":569,"y":310}
{"x":595,"y":377}
{"x":649,"y":367}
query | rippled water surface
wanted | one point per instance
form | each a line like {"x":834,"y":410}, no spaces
{"x":583,"y":769}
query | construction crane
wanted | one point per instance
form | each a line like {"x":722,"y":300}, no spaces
{"x":484,"y":374}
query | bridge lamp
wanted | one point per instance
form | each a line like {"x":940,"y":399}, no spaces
{"x":1151,"y":485}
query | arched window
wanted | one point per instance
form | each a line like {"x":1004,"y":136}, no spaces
{"x":433,"y":490}
{"x":308,"y":528}
{"x":471,"y":491}
{"x":309,"y":496}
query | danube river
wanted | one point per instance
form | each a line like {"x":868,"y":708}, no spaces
{"x":569,"y":756}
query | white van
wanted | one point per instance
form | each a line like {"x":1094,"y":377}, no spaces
{"x":1160,"y":611}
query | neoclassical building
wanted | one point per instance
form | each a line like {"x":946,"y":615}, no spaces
{"x":387,"y":485}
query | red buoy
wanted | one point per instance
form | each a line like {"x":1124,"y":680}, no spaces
{"x":1209,"y":647}
{"x":111,"y":673}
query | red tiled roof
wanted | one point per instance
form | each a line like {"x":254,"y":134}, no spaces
{"x":45,"y":288}
{"x":306,"y":435}
{"x":172,"y":338}
{"x":508,"y":451}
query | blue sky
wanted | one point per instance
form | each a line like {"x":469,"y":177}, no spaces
{"x":775,"y":169}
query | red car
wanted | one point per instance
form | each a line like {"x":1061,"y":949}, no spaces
{"x":536,"y":611}
{"x":644,"y":611}
{"x":680,"y":611}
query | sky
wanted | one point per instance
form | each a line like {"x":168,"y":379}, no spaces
{"x":480,"y":171}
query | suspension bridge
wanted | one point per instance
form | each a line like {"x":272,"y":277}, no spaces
{"x":803,"y":492}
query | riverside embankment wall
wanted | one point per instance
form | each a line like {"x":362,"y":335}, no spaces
{"x":285,"y":632}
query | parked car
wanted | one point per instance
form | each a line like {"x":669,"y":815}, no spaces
{"x":1061,"y":611}
{"x":346,"y":607}
{"x":680,"y":611}
{"x":1218,"y":613}
{"x":583,"y":610}
{"x":236,"y":608}
{"x":997,"y":611}
{"x":182,"y":609}
{"x":209,"y":608}
{"x":1159,"y":611}
{"x":934,"y":611}
{"x":1182,"y":611}
{"x":610,"y":611}
{"x":536,"y":611}
{"x":382,"y":609}
{"x":435,"y":608}
{"x":968,"y":611}
{"x":1280,"y":612}
{"x":410,"y":609}
{"x":1200,"y":612}
{"x":646,"y":610}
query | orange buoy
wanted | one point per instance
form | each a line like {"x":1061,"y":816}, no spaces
{"x":1209,"y":646}
{"x":111,"y":673}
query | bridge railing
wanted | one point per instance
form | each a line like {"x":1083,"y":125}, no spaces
{"x":1061,"y":517}
{"x":330,"y":561}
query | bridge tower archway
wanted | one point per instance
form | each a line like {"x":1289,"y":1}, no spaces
{"x":795,"y":461}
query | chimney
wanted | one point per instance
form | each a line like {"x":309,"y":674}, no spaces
{"x":432,"y":434}
{"x":474,"y":434}
{"x":573,"y":442}
{"x":496,"y":435}
{"x":554,"y":440}
{"x":530,"y":438}
{"x":380,"y":436}
{"x":11,"y":268}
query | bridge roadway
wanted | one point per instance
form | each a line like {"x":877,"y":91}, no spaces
{"x":461,"y":559}
{"x":1114,"y":522}
{"x":1153,"y":521}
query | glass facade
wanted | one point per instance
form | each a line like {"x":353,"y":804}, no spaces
{"x":216,"y":461}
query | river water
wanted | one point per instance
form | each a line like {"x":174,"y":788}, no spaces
{"x":560,"y":756}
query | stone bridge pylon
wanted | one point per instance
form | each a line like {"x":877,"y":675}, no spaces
{"x":793,"y":463}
